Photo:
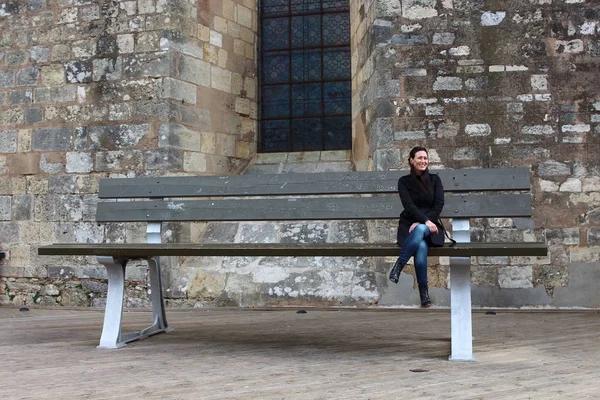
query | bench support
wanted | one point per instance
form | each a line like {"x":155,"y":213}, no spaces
{"x":112,"y":338}
{"x":460,"y":295}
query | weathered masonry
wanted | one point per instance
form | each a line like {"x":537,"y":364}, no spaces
{"x":90,"y":90}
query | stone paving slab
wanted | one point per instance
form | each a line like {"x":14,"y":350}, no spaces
{"x":280,"y":354}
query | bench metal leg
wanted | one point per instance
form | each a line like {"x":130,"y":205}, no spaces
{"x":460,"y":293}
{"x":112,"y":338}
{"x":113,"y":314}
{"x":158,"y":304}
{"x":460,"y":297}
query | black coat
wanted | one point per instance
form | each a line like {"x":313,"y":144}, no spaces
{"x":420,"y":206}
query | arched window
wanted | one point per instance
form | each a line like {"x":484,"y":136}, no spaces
{"x":306,"y":90}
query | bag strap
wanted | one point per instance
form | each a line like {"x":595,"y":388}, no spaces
{"x":446,"y":233}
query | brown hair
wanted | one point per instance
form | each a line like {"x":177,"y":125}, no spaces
{"x":423,"y":181}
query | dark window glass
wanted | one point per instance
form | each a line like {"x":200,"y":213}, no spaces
{"x":305,"y":75}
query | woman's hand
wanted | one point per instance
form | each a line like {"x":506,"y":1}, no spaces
{"x":413,"y":226}
{"x":432,"y":227}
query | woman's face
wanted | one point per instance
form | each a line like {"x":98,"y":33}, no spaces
{"x":420,"y":162}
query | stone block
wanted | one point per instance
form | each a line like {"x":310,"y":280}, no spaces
{"x":49,"y":164}
{"x":569,"y":46}
{"x":313,"y":232}
{"x":388,"y":159}
{"x":61,"y":184}
{"x":107,"y":69}
{"x":33,"y":115}
{"x":178,"y":90}
{"x":571,"y":185}
{"x":9,"y":232}
{"x":242,"y":106}
{"x":125,"y":43}
{"x":179,"y":136}
{"x":447,"y":129}
{"x":408,"y":40}
{"x":477,"y":83}
{"x":12,"y":117}
{"x":79,"y":71}
{"x":13,"y":58}
{"x":244,"y":16}
{"x":83,"y":48}
{"x":194,"y":70}
{"x":164,"y":159}
{"x":28,"y":76}
{"x":443,"y":38}
{"x":36,"y":5}
{"x":195,"y":162}
{"x":7,"y":79}
{"x":478,"y":130}
{"x":119,"y":160}
{"x":52,"y":139}
{"x":5,"y":208}
{"x":53,"y":75}
{"x":466,"y":154}
{"x":20,"y":96}
{"x":157,"y":109}
{"x":61,"y":52}
{"x":221,"y":79}
{"x":8,"y":141}
{"x":593,"y":236}
{"x":447,"y":83}
{"x":553,"y":168}
{"x":114,"y":137}
{"x":147,"y":65}
{"x":220,"y":233}
{"x":79,"y":162}
{"x":492,"y":18}
{"x":459,"y":51}
{"x":515,"y":277}
{"x":196,"y":117}
{"x":147,"y":42}
{"x":258,"y":232}
{"x":419,"y":9}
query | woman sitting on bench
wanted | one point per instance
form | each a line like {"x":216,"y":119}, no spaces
{"x":422,"y":197}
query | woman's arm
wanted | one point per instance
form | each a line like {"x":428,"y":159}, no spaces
{"x":438,"y":198}
{"x":409,"y":205}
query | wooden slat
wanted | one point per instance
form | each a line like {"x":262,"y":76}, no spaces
{"x":288,"y":249}
{"x":305,"y":184}
{"x":331,"y":208}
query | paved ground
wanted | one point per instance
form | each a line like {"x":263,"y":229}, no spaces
{"x":279,"y":354}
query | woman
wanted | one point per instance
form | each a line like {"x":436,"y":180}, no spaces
{"x":422,"y":197}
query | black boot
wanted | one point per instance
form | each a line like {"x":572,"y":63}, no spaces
{"x":395,"y":272}
{"x":424,"y":293}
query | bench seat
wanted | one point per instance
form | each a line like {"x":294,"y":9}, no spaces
{"x":143,"y":251}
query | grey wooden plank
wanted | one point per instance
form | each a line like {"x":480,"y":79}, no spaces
{"x":330,"y":208}
{"x":145,"y":250}
{"x":481,"y":179}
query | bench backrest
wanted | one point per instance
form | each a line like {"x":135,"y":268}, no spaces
{"x":488,"y":192}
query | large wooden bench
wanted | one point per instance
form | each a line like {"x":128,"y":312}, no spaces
{"x":471,"y":193}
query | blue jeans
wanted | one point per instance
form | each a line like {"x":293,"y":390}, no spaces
{"x":416,"y":245}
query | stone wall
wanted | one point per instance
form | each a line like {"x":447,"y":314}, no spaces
{"x":90,"y":90}
{"x":501,"y":83}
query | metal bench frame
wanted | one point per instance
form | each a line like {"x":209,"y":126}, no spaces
{"x":156,"y":210}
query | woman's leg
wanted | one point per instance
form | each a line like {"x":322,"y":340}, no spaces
{"x":421,"y":272}
{"x":409,"y":248}
{"x":413,"y":242}
{"x":421,"y":263}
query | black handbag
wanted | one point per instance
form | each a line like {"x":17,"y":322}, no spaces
{"x":441,"y":226}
